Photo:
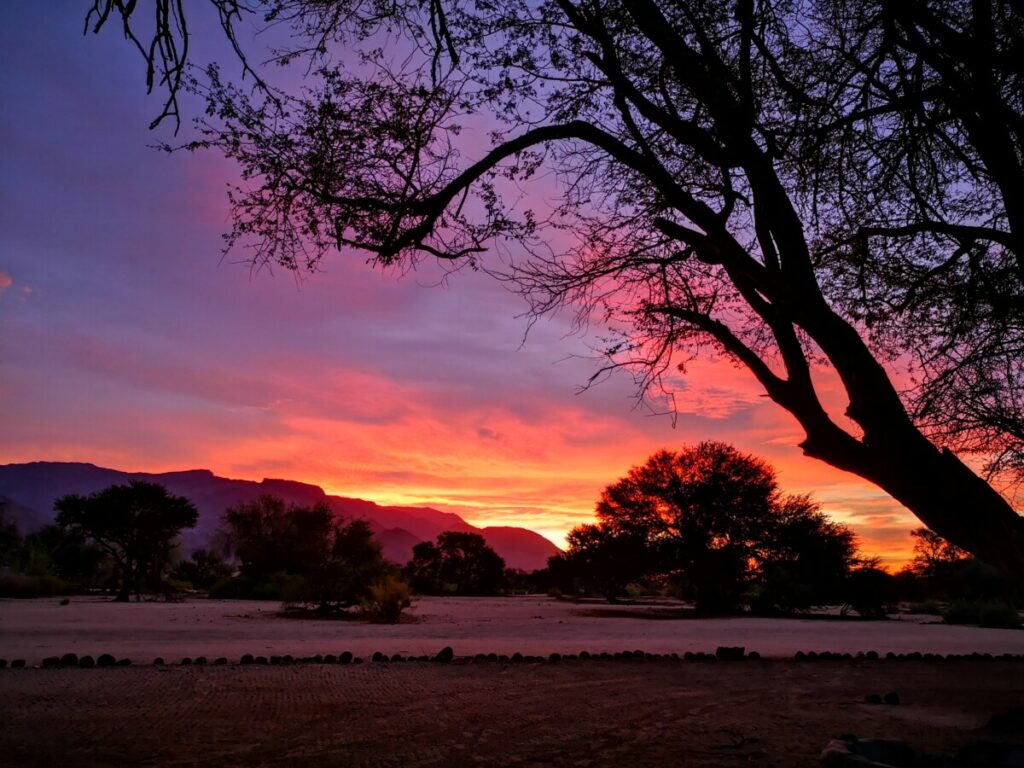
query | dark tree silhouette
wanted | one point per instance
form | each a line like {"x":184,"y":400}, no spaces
{"x":605,"y":559}
{"x":716,"y":520}
{"x":459,"y":563}
{"x":136,"y":525}
{"x":933,"y":553}
{"x":790,"y":185}
{"x":334,"y":562}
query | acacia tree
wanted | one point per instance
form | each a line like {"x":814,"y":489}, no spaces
{"x":136,"y":524}
{"x":715,"y":519}
{"x":458,"y":562}
{"x":790,"y":185}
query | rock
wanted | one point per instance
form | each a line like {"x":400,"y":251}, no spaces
{"x":69,"y":660}
{"x":261,"y":660}
{"x":3,"y":663}
{"x":17,"y":664}
{"x":51,"y":662}
{"x":555,"y":657}
{"x":66,"y":601}
{"x":492,"y":657}
{"x":872,"y":698}
{"x":480,"y":657}
{"x":345,"y":657}
{"x":872,"y":655}
{"x":397,"y":657}
{"x":891,"y":698}
{"x":159,"y":661}
{"x":584,"y":655}
{"x":199,"y":660}
{"x":445,"y":655}
{"x":123,"y":662}
{"x":730,"y":652}
{"x":186,"y":661}
{"x":502,"y":657}
{"x":275,"y":660}
{"x":377,"y":657}
{"x":330,"y":658}
{"x":754,"y":655}
{"x":247,"y":658}
{"x":517,"y":657}
{"x":287,"y":659}
{"x":318,"y":659}
{"x":86,"y":662}
{"x":220,"y":661}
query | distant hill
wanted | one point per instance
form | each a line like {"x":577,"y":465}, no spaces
{"x":31,"y":489}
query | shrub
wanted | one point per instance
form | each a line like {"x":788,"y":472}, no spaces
{"x":387,"y":600}
{"x":963,"y":612}
{"x":999,"y":616}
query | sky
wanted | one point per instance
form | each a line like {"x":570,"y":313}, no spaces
{"x":128,"y":340}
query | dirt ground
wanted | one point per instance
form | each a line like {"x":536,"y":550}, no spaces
{"x":571,"y":713}
{"x":35,"y":629}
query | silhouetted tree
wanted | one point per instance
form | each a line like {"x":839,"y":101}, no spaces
{"x":933,"y":553}
{"x":459,"y":563}
{"x":790,"y":185}
{"x":66,"y":554}
{"x":715,"y":519}
{"x":10,"y":537}
{"x":605,"y":559}
{"x":203,"y":569}
{"x":135,"y":524}
{"x":333,"y":563}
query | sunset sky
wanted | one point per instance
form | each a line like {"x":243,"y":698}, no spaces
{"x":126,"y":341}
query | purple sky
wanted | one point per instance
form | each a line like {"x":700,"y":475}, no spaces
{"x":126,"y":340}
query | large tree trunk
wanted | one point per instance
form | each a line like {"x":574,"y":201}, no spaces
{"x":934,"y":484}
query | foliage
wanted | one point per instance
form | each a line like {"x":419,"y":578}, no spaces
{"x":202,"y":570}
{"x":387,"y":600}
{"x":136,"y":525}
{"x":10,"y":538}
{"x":870,"y":591}
{"x":932,"y":553}
{"x":300,"y":554}
{"x":714,"y":520}
{"x":994,"y":615}
{"x":999,"y":616}
{"x":605,"y":559}
{"x":459,"y":563}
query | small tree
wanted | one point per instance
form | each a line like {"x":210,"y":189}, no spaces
{"x":135,"y":524}
{"x":932,"y":553}
{"x":204,"y":569}
{"x":303,"y":554}
{"x":458,"y":563}
{"x":606,"y":559}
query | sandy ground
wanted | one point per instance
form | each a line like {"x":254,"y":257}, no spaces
{"x":772,"y":712}
{"x":572,"y":713}
{"x":34,"y":629}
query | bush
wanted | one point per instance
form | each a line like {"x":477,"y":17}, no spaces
{"x":999,"y":616}
{"x":14,"y":584}
{"x":989,"y":615}
{"x":962,"y":612}
{"x":387,"y":600}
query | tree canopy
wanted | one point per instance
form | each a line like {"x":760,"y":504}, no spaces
{"x":797,"y":187}
{"x":715,"y":520}
{"x":459,"y":563}
{"x":304,"y":555}
{"x":136,"y":524}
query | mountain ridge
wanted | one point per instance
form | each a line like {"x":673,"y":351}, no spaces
{"x":32,"y":488}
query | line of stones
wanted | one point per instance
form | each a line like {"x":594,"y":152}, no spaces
{"x":447,"y":655}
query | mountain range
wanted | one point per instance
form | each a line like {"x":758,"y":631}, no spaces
{"x":29,"y":491}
